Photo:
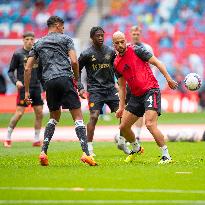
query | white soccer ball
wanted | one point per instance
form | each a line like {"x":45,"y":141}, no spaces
{"x":192,"y":81}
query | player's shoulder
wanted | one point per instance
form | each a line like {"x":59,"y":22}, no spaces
{"x":148,"y":47}
{"x":88,"y":51}
{"x":18,"y":52}
{"x":65,"y":36}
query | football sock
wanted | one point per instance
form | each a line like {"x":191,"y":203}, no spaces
{"x":81,"y":134}
{"x":48,"y":134}
{"x":36,"y":136}
{"x":138,"y":132}
{"x":135,"y":146}
{"x":90,"y":146}
{"x":9,"y":132}
{"x":165,"y":151}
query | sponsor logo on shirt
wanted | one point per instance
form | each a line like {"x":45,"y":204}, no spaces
{"x":93,"y":58}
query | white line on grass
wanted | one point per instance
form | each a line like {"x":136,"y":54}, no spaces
{"x":179,"y":191}
{"x":183,"y":172}
{"x":102,"y":201}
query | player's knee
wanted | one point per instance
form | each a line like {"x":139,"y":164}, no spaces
{"x":19,"y":114}
{"x":149,"y":124}
{"x":39,"y":116}
{"x":93,"y":119}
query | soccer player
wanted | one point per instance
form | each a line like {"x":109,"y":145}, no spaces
{"x":17,"y":64}
{"x":132,"y":66}
{"x":135,"y":33}
{"x":59,"y":70}
{"x":98,"y":61}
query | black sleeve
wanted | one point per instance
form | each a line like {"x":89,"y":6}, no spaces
{"x":33,"y":52}
{"x":82,"y":62}
{"x":142,"y":53}
{"x":13,"y":66}
{"x":70,"y":44}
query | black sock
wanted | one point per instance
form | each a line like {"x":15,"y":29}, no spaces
{"x":48,"y":134}
{"x":81,"y":134}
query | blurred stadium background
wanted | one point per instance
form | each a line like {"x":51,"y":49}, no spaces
{"x":174,"y":28}
{"x":176,"y":31}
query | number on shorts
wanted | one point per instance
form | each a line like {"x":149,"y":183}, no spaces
{"x":150,"y":100}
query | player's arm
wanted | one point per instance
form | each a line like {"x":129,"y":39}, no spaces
{"x":122,"y":95}
{"x":162,"y":68}
{"x":82,"y":63}
{"x":150,"y":58}
{"x":74,"y":63}
{"x":27,"y":77}
{"x":13,"y":66}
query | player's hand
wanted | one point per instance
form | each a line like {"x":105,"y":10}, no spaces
{"x":27,"y":99}
{"x":172,"y":84}
{"x":83,"y":94}
{"x":19,"y":84}
{"x":119,"y":113}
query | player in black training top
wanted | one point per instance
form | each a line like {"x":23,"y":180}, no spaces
{"x":16,"y":75}
{"x":59,"y":61}
{"x":98,"y":61}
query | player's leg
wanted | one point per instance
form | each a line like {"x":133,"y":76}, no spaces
{"x":54,"y":96}
{"x":81,"y":134}
{"x":12,"y":124}
{"x":71,"y":101}
{"x":48,"y":134}
{"x":95,"y":102}
{"x":128,"y":119}
{"x":151,"y":117}
{"x":38,"y":110}
{"x":113,"y":103}
{"x":37,"y":104}
{"x":94,"y":114}
{"x":20,"y":108}
{"x":153,"y":110}
{"x":138,"y":127}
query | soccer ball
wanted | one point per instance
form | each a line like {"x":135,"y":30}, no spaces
{"x":192,"y":81}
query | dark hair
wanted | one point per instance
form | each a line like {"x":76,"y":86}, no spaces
{"x":53,"y":20}
{"x":28,"y":34}
{"x":94,"y":30}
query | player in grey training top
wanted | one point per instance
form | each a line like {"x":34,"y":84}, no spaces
{"x":52,"y":51}
{"x":59,"y":70}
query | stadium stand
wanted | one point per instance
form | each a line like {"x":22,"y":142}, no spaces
{"x":18,"y":16}
{"x":175,"y":29}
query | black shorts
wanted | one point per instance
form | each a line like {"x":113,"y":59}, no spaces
{"x":151,"y":100}
{"x":62,"y":92}
{"x":98,"y":99}
{"x":35,"y":95}
{"x":128,"y":94}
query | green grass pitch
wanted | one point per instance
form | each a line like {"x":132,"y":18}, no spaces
{"x":68,"y":181}
{"x":66,"y":120}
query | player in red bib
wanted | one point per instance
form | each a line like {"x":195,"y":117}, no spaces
{"x":132,"y":66}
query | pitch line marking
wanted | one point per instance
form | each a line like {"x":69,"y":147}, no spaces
{"x":102,"y":201}
{"x":179,"y":191}
{"x":183,"y":172}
